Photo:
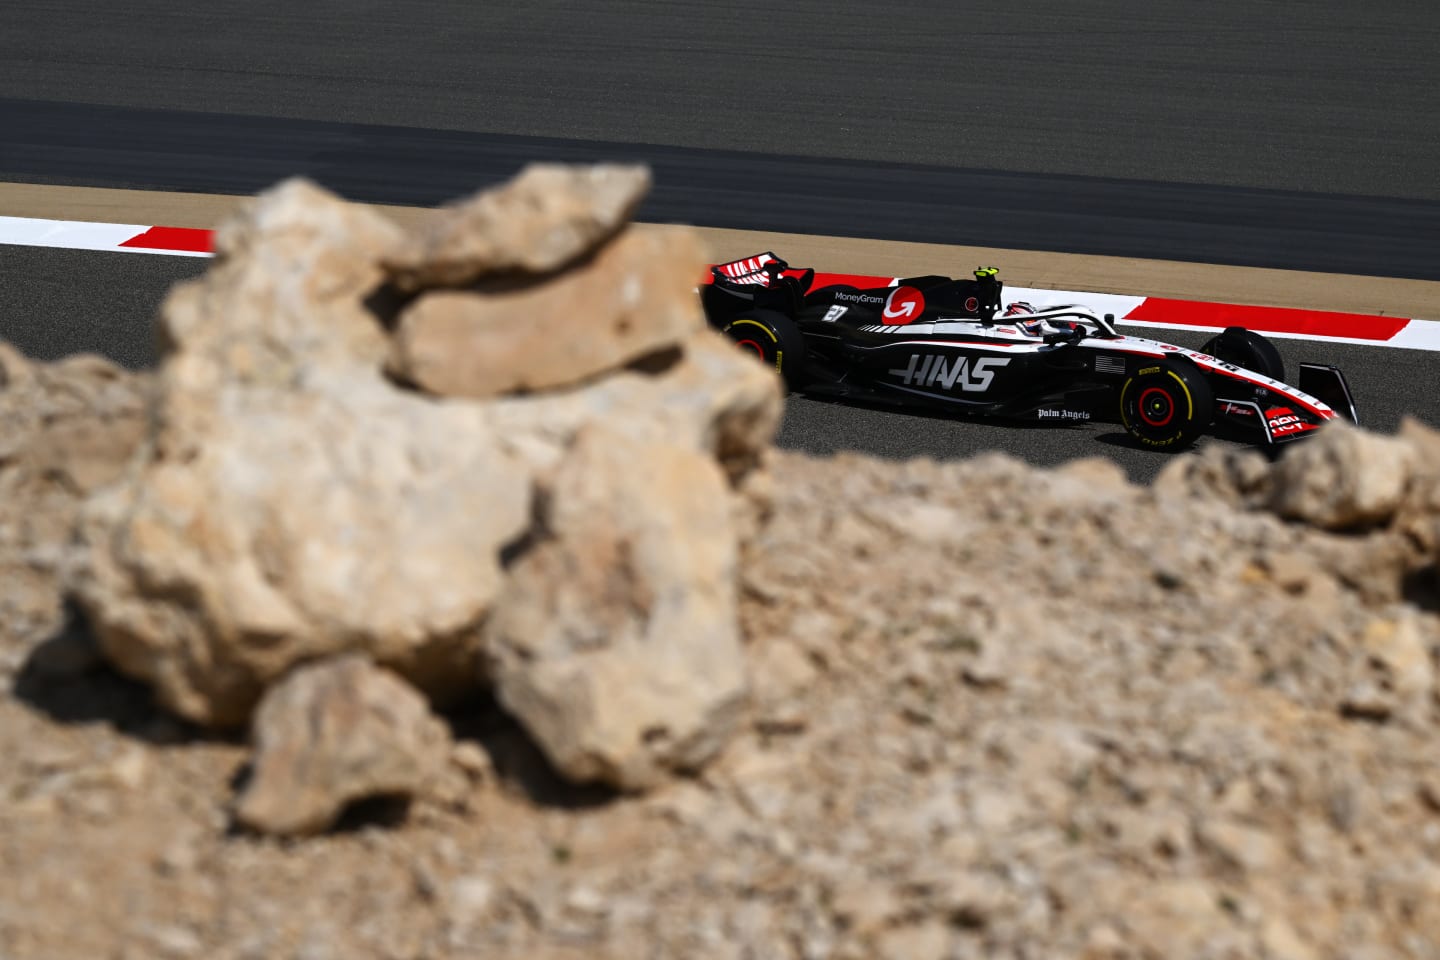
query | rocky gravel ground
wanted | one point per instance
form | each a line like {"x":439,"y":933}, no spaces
{"x":784,"y":707}
{"x":997,"y":712}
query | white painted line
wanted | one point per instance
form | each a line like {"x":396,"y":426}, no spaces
{"x":164,"y":253}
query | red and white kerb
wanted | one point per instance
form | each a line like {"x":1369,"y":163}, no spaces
{"x":903,"y":305}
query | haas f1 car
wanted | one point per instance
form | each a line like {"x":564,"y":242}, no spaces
{"x":940,"y":343}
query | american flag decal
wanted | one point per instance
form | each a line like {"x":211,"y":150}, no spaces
{"x":1105,"y":364}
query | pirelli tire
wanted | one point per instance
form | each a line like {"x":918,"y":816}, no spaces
{"x":774,"y":339}
{"x":1247,"y":350}
{"x":1166,"y":404}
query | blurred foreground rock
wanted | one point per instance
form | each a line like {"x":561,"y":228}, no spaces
{"x":294,"y":503}
{"x":545,"y":219}
{"x":631,"y":301}
{"x":1385,"y":491}
{"x":66,"y":430}
{"x":333,"y":733}
{"x":297,"y":503}
{"x":616,"y":644}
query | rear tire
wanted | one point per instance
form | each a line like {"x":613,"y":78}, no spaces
{"x":1166,"y":405}
{"x":774,"y":340}
{"x":1248,"y":350}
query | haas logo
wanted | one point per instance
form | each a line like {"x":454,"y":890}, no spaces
{"x":904,"y":305}
{"x":930,"y":370}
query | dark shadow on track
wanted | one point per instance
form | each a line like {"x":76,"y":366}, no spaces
{"x":92,"y":145}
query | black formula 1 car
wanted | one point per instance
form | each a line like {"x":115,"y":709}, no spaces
{"x":947,"y":344}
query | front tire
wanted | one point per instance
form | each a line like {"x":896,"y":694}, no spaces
{"x":774,"y":339}
{"x":1248,"y":350}
{"x":1167,"y":405}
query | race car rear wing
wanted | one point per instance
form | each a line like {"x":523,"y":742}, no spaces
{"x":760,"y":270}
{"x":761,"y":281}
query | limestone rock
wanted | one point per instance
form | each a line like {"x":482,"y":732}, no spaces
{"x":1240,"y":846}
{"x":1425,"y":440}
{"x":1342,"y":478}
{"x":616,"y":643}
{"x":1397,"y":672}
{"x":634,"y":298}
{"x":292,"y":502}
{"x":303,"y":525}
{"x":1237,"y":477}
{"x":712,"y":400}
{"x":290,"y":286}
{"x":74,"y":423}
{"x":779,"y":673}
{"x":332,"y":733}
{"x":1419,"y":519}
{"x":930,"y":940}
{"x":1283,"y":942}
{"x":66,"y":430}
{"x":544,"y":219}
{"x":1174,"y":917}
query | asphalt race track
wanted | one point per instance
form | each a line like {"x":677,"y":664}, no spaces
{"x":1290,"y":135}
{"x":64,"y":301}
{"x":1320,"y":96}
{"x":220,"y":153}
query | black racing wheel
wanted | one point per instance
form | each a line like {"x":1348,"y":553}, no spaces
{"x":1166,"y":405}
{"x":774,"y":339}
{"x":1248,"y":351}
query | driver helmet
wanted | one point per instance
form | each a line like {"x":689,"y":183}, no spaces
{"x":1020,"y":309}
